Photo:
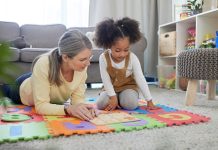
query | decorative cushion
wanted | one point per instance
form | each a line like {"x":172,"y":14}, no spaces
{"x":19,"y":42}
{"x":91,"y":36}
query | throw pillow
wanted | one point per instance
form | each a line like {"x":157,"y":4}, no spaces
{"x":91,"y":36}
{"x":19,"y":42}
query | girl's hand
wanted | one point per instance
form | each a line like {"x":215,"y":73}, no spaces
{"x":151,"y":106}
{"x":82,"y":111}
{"x":112,"y":104}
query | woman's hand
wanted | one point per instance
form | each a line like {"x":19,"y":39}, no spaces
{"x":82,"y":111}
{"x":112,"y":103}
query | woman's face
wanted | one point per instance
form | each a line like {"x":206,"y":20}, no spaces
{"x":80,"y":61}
{"x":120,"y":49}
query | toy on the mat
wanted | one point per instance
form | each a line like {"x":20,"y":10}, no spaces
{"x":110,"y":118}
{"x":14,"y":117}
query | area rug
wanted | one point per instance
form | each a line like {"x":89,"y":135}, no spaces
{"x":44,"y":127}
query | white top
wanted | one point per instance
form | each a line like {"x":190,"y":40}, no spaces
{"x":134,"y":67}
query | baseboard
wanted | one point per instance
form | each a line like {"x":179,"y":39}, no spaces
{"x":152,"y":80}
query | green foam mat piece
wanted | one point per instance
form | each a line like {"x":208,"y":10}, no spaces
{"x":145,"y":122}
{"x":23,"y":132}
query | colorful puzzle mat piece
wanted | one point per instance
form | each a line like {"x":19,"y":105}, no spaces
{"x":91,"y":100}
{"x":21,"y":109}
{"x":144,"y":122}
{"x":25,"y":110}
{"x":144,"y":110}
{"x":23,"y":132}
{"x":74,"y":126}
{"x":179,"y":118}
{"x":34,"y":118}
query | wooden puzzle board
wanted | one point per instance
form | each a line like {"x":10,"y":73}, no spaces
{"x":111,"y":118}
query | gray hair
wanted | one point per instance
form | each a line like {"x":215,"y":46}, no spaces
{"x":71,"y":43}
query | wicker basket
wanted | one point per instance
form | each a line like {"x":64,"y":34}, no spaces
{"x":168,"y":44}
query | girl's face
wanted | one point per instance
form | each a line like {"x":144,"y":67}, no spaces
{"x":120,"y":49}
{"x":80,"y":61}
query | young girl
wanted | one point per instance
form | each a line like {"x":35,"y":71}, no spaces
{"x":57,"y":76}
{"x":120,"y":69}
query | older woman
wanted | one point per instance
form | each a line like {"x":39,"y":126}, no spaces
{"x":57,"y":76}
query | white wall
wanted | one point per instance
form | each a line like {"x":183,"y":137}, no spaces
{"x":165,"y":11}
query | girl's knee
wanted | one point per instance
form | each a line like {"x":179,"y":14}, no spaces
{"x":130,"y":104}
{"x":102,"y":101}
{"x":129,"y":99}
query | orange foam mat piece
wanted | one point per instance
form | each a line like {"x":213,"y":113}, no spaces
{"x":74,"y":126}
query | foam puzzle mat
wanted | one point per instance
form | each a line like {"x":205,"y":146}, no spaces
{"x":44,"y":127}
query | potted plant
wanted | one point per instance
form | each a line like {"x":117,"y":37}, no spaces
{"x":6,"y":67}
{"x":195,"y":6}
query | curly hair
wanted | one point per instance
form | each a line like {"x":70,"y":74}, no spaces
{"x":109,"y":31}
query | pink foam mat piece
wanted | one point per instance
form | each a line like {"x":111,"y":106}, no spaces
{"x":179,"y":118}
{"x":22,"y":109}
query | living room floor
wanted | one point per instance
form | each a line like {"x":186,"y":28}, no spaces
{"x":199,"y":136}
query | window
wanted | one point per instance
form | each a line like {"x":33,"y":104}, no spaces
{"x":72,"y":13}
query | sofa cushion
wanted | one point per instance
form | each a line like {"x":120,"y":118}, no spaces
{"x":42,"y":36}
{"x":96,"y":53}
{"x":9,"y":31}
{"x":29,"y":54}
{"x":84,"y":30}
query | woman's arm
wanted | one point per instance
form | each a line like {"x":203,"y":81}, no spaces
{"x":78,"y":95}
{"x":41,"y":90}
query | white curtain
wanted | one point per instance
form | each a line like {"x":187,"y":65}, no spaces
{"x":144,"y":11}
{"x":68,"y":12}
